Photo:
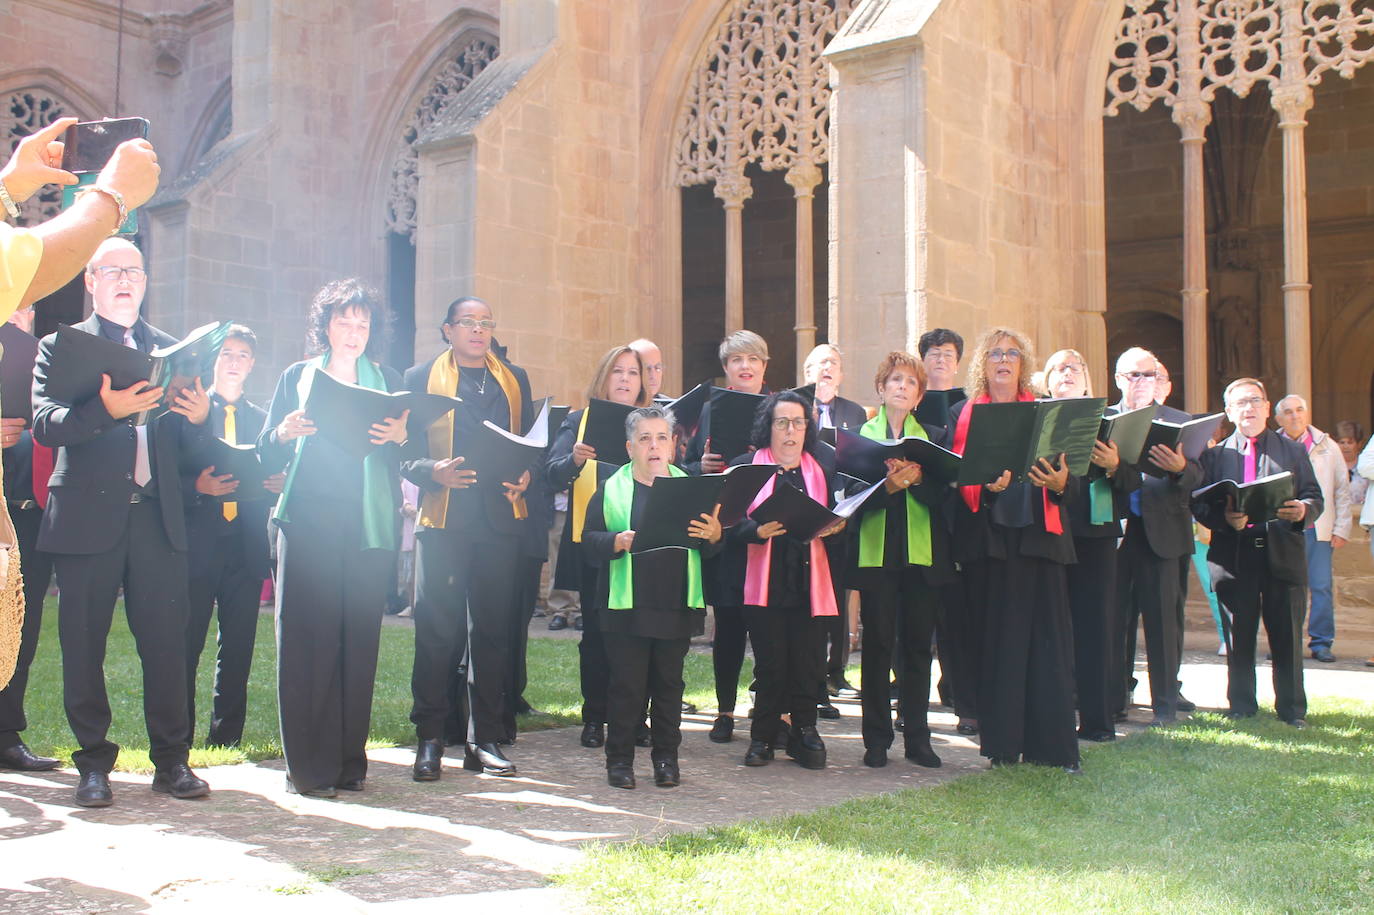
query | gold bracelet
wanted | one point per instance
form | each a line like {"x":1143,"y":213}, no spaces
{"x":115,"y":196}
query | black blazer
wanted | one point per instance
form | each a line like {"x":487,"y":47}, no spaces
{"x":484,"y":504}
{"x":1164,"y":501}
{"x":1286,"y":546}
{"x":205,"y":523}
{"x":846,"y":414}
{"x":92,"y":480}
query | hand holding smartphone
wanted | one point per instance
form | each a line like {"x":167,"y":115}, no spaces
{"x":88,"y":147}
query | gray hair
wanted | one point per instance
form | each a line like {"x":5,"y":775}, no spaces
{"x":642,"y":414}
{"x":1287,"y":397}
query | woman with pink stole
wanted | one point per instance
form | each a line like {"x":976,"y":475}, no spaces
{"x":787,"y":587}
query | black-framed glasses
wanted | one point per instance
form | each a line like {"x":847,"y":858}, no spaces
{"x":784,"y":422}
{"x":1137,"y":376}
{"x":134,"y":274}
{"x":1004,"y":355}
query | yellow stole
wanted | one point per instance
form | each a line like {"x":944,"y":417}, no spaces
{"x":584,"y":485}
{"x":443,"y":379}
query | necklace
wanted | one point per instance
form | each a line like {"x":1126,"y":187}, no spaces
{"x":482,"y":388}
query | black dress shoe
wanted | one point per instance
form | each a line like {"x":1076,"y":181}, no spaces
{"x":317,"y":791}
{"x":21,"y":759}
{"x":1162,"y":721}
{"x":784,"y":736}
{"x":353,"y":784}
{"x":875,"y":757}
{"x":845,"y":690}
{"x":429,"y":761}
{"x":968,"y":727}
{"x":806,"y":747}
{"x":666,"y":774}
{"x":1097,"y":736}
{"x":577,"y":624}
{"x":180,"y":782}
{"x":487,"y":758}
{"x":828,"y":712}
{"x":557,"y":623}
{"x":688,"y":708}
{"x":923,"y":755}
{"x":94,"y":790}
{"x":643,"y":736}
{"x":593,"y":735}
{"x":1184,"y":704}
{"x":723,"y":729}
{"x":1237,"y":716}
{"x":1075,"y":769}
{"x":1298,"y":723}
{"x":620,"y":775}
{"x":759,"y":754}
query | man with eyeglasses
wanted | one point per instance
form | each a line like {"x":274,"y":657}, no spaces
{"x":1159,"y":533}
{"x":114,"y":518}
{"x":1259,"y":569}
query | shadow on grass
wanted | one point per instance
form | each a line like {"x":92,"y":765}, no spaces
{"x":1210,"y":815}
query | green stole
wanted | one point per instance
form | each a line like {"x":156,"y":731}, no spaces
{"x":616,"y":497}
{"x":873,"y":527}
{"x":379,"y":496}
{"x":1101,"y":507}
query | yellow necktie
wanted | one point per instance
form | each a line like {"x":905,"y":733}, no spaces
{"x":231,"y":509}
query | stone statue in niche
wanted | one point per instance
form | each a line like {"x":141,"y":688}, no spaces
{"x":1234,"y":332}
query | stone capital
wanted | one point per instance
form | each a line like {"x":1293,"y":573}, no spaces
{"x":1192,"y":117}
{"x":733,"y":189}
{"x":803,"y":177}
{"x":1292,"y":102}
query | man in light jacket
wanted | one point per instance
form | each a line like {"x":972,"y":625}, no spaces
{"x":1332,"y":528}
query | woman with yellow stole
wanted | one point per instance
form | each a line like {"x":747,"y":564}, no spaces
{"x":654,"y":601}
{"x":573,"y":463}
{"x":338,"y":521}
{"x":902,"y":560}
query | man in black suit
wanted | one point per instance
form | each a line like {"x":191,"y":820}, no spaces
{"x":469,"y":541}
{"x":21,"y":456}
{"x":114,"y":518}
{"x":1158,"y":531}
{"x":824,"y":368}
{"x":228,"y":554}
{"x":1259,"y":570}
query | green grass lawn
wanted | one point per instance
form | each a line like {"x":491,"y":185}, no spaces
{"x":1207,"y":816}
{"x":553,"y":690}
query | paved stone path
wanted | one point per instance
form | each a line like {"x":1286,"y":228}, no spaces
{"x":467,"y":839}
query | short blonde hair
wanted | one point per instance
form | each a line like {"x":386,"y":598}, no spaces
{"x":900,"y":359}
{"x":743,"y":342}
{"x":978,"y":372}
{"x":1064,"y":354}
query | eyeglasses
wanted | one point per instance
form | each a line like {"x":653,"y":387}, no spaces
{"x":1244,"y":402}
{"x":1004,"y":355}
{"x":134,"y":274}
{"x":1072,"y":368}
{"x":940,"y":356}
{"x":782,"y":422}
{"x":1137,"y":376}
{"x":470,"y":323}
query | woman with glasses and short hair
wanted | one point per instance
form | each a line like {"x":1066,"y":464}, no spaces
{"x":1012,"y":542}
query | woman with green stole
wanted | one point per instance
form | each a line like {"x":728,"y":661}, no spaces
{"x":903,"y":558}
{"x":653,"y":601}
{"x":338,"y":523}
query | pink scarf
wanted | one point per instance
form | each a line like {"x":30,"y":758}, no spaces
{"x":761,"y":554}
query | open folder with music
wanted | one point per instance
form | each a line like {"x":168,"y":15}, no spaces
{"x":1191,"y":436}
{"x":1016,"y":436}
{"x":1260,"y":499}
{"x":674,"y":502}
{"x":866,"y":459}
{"x":498,"y":453}
{"x":802,"y":516}
{"x":345,"y":413}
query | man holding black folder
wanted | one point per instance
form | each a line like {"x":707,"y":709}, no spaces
{"x":228,"y":555}
{"x":114,"y":517}
{"x":1259,"y":566}
{"x":467,"y":543}
{"x":1158,"y":533}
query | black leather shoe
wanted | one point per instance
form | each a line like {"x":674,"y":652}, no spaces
{"x":429,"y":761}
{"x":180,"y":782}
{"x":1184,"y":704}
{"x":318,"y":791}
{"x":1299,"y":723}
{"x":845,"y":690}
{"x":593,"y":735}
{"x":643,"y":736}
{"x":577,"y":624}
{"x":875,"y":757}
{"x":828,"y":712}
{"x":688,"y":708}
{"x":620,"y":775}
{"x":487,"y":758}
{"x":784,"y":736}
{"x":94,"y":790}
{"x":1237,"y":716}
{"x":807,"y":748}
{"x":759,"y":754}
{"x":1162,"y":721}
{"x":1075,"y":769}
{"x":723,"y":729}
{"x":353,"y":784}
{"x":923,"y":755}
{"x":1097,"y":736}
{"x":666,"y":774}
{"x":21,"y":759}
{"x":557,"y":623}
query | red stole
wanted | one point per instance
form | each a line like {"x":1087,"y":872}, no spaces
{"x":973,"y":495}
{"x":761,"y":554}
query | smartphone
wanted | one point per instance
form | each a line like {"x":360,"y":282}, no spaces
{"x":89,"y":145}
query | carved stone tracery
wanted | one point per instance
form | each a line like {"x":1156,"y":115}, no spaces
{"x":26,"y":111}
{"x":455,"y":76}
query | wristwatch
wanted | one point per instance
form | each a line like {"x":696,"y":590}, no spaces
{"x":8,"y":201}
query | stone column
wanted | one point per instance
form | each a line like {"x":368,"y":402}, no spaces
{"x":1192,"y":115}
{"x":733,"y":190}
{"x":803,"y":177}
{"x":1292,"y":99}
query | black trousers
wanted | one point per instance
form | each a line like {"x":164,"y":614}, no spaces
{"x":153,"y":576}
{"x":644,"y":670}
{"x":526,"y":593}
{"x":465,"y":594}
{"x":965,"y":605}
{"x":330,"y":600}
{"x":1252,"y":596}
{"x":899,"y":614}
{"x":1025,"y":707}
{"x":787,"y":643}
{"x":835,"y":642}
{"x":1148,"y":590}
{"x":1092,"y":606}
{"x":36,"y":567}
{"x":592,"y":665}
{"x":222,"y":581}
{"x":727,"y":655}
